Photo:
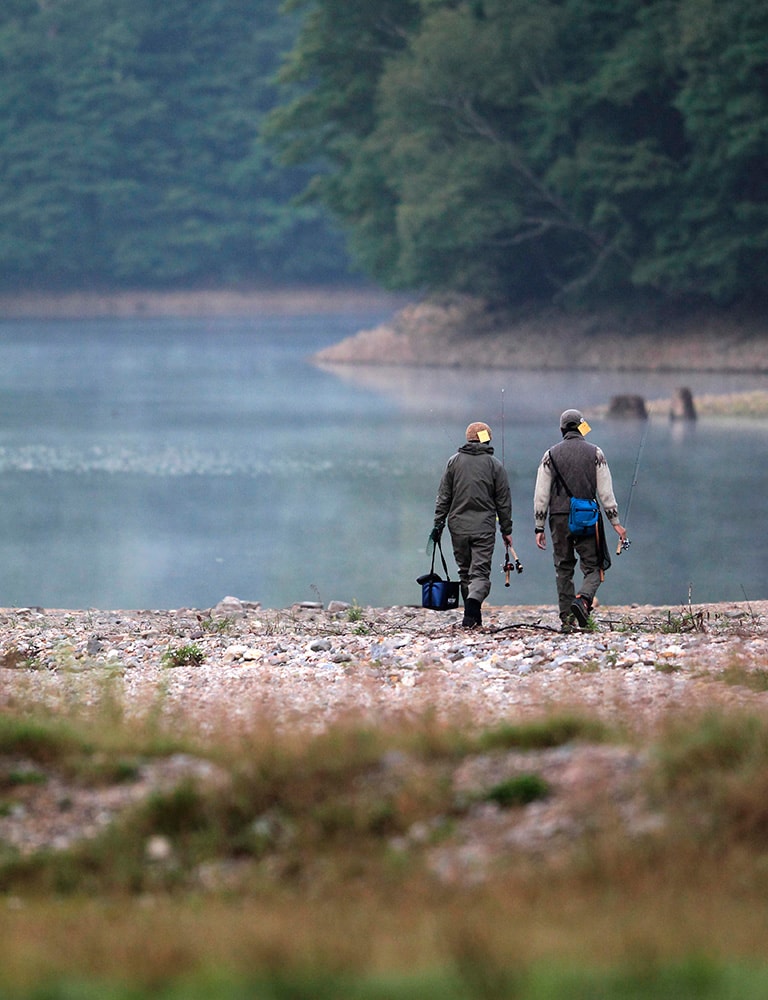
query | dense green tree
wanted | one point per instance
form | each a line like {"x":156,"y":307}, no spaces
{"x":513,"y":148}
{"x":548,"y":148}
{"x":130,"y":146}
{"x":342,"y":51}
{"x":717,"y":237}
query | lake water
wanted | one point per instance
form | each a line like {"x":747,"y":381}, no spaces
{"x":169,"y":463}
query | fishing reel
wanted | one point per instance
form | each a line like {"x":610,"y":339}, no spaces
{"x":509,"y":565}
{"x":623,"y":545}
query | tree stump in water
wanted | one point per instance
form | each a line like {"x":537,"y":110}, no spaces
{"x":682,"y":407}
{"x":628,"y":408}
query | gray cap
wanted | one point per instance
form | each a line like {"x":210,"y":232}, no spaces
{"x":570,"y":417}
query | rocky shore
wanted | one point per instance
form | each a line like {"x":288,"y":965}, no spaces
{"x":454,"y":331}
{"x":313,"y":666}
{"x":464,"y":332}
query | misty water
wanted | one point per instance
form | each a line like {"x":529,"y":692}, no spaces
{"x":169,"y":463}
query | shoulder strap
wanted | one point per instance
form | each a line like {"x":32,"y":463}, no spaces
{"x":557,"y":473}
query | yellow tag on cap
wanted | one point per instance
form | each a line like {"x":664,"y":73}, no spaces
{"x":483,"y":437}
{"x":584,"y":428}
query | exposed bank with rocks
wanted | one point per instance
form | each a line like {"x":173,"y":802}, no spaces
{"x":312,"y":666}
{"x":466,"y":332}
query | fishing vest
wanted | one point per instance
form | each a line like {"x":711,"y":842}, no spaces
{"x":576,"y":461}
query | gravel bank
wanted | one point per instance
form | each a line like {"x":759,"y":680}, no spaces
{"x":312,"y":666}
{"x":465,"y":333}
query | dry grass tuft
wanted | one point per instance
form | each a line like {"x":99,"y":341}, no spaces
{"x":315,"y":857}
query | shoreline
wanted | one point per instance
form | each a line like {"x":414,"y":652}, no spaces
{"x":455,"y":332}
{"x":194,"y":303}
{"x":464,"y":333}
{"x":305,"y":615}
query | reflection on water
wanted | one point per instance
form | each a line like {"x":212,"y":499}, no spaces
{"x":168,"y":463}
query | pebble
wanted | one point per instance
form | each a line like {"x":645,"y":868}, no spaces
{"x":320,"y":645}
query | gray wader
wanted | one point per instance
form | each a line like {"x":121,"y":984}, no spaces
{"x":565,"y":549}
{"x":474,"y":556}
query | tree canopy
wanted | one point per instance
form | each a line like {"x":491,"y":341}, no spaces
{"x":130,"y":147}
{"x":549,"y":149}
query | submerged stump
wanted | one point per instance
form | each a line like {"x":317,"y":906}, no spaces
{"x":628,"y":407}
{"x":682,"y":407}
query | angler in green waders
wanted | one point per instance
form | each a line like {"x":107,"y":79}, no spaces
{"x":572,"y":477}
{"x":473,"y":494}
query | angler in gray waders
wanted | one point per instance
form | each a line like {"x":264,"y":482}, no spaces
{"x":473,"y":494}
{"x":573,"y":468}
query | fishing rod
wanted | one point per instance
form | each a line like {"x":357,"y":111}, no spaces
{"x":624,"y":545}
{"x":503,"y":460}
{"x":508,"y":564}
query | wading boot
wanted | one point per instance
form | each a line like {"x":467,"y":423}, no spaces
{"x":567,"y":624}
{"x":472,"y":615}
{"x":581,"y":609}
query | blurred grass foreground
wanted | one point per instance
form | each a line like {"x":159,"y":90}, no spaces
{"x":380,"y":862}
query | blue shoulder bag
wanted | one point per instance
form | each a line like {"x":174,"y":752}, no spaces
{"x":583,"y":514}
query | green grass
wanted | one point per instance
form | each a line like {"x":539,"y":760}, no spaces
{"x":41,"y":738}
{"x":187,"y":655}
{"x":551,"y":731}
{"x":518,"y":791}
{"x":756,"y":679}
{"x":697,"y":979}
{"x":217,"y":626}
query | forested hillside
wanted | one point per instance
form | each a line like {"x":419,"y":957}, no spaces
{"x":551,"y":150}
{"x":130,"y":147}
{"x":571,"y":150}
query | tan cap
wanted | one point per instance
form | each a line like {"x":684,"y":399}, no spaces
{"x":474,"y":431}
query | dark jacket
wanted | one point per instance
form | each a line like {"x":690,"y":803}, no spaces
{"x":474,"y":492}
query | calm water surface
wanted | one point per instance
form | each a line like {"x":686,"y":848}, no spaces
{"x":168,"y":463}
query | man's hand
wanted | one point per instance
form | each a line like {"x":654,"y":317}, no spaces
{"x":541,"y":539}
{"x":621,"y":532}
